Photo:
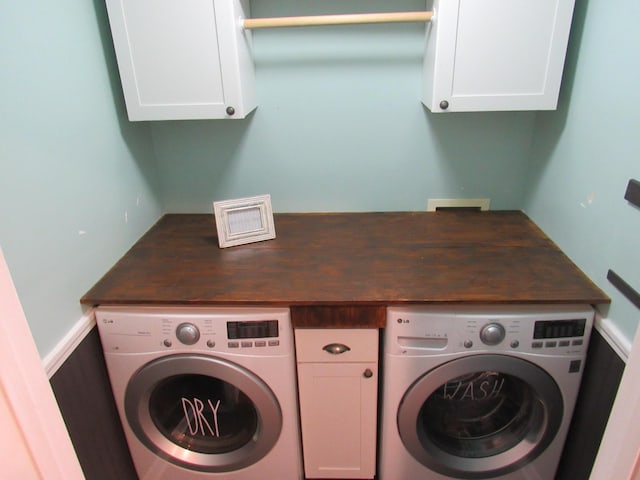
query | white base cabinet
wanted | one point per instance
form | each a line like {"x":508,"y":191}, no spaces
{"x":495,"y":54}
{"x":338,"y":401}
{"x":186,"y":59}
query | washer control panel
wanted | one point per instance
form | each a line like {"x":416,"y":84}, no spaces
{"x":552,"y":330}
{"x":251,"y":331}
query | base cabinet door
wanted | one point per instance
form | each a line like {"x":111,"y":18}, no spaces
{"x":187,"y":59}
{"x":338,"y":403}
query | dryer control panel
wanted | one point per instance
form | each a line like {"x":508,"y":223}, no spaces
{"x":429,"y":330}
{"x":245,"y":331}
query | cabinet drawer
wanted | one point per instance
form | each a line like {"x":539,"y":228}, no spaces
{"x":361,"y":345}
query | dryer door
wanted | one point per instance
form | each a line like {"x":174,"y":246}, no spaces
{"x":480,"y":416}
{"x":203,"y":413}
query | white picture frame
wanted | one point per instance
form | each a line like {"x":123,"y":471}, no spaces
{"x":244,"y":220}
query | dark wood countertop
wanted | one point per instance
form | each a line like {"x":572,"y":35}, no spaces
{"x":346,"y":260}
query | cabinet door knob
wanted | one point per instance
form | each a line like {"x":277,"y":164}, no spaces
{"x":231,"y":110}
{"x":368,"y":373}
{"x":336,"y":348}
{"x":444,"y":104}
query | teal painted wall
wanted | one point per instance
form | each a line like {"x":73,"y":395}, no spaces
{"x":340,"y":127}
{"x":77,"y":180}
{"x":585,"y":153}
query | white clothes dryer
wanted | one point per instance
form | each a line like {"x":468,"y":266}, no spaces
{"x":479,"y":393}
{"x":205,"y":392}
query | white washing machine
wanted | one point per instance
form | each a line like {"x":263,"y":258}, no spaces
{"x":205,"y":392}
{"x":481,"y":393}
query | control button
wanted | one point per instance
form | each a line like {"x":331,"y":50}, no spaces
{"x":492,"y":334}
{"x":468,"y":344}
{"x":577,"y":342}
{"x":551,"y":344}
{"x":211,"y":343}
{"x":233,"y":344}
{"x":574,"y":366}
{"x":260,"y":343}
{"x":246,"y":344}
{"x":187,"y":333}
{"x":564,"y":343}
{"x":274,"y":343}
{"x":515,"y":343}
{"x":536,"y":345}
{"x":167,"y":343}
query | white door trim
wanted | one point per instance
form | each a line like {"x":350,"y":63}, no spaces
{"x":620,"y":447}
{"x":28,"y":392}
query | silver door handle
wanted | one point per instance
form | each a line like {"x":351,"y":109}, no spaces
{"x":336,"y":348}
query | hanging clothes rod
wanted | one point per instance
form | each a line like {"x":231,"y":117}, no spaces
{"x":349,"y":19}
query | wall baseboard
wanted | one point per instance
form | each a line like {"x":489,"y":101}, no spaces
{"x":65,"y":347}
{"x":613,"y":336}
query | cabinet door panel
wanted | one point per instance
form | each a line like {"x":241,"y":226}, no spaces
{"x":506,"y":38}
{"x":170,"y":67}
{"x":338,"y":419}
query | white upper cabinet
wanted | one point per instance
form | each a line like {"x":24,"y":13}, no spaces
{"x":484,"y":55}
{"x":183,"y":59}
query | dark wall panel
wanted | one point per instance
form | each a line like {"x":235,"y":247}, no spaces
{"x":602,"y":374}
{"x":82,"y":389}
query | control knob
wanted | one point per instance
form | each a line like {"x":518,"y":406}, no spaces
{"x":188,"y":333}
{"x":492,"y":334}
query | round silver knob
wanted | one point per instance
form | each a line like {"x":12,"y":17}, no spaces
{"x":368,"y":373}
{"x":444,"y":104}
{"x":187,"y":333}
{"x":492,"y":334}
{"x":231,"y":111}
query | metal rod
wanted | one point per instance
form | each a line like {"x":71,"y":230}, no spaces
{"x":349,"y":19}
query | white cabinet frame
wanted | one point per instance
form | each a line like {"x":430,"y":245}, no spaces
{"x":338,"y":393}
{"x":484,"y":55}
{"x":186,"y":59}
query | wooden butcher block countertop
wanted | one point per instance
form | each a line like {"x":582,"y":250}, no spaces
{"x":343,"y":269}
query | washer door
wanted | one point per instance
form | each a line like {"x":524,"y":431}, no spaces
{"x":480,"y":416}
{"x":203,"y":413}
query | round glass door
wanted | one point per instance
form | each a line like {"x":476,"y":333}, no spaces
{"x":480,"y":416}
{"x":203,"y":413}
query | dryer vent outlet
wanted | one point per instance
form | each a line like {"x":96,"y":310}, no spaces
{"x":440,"y":204}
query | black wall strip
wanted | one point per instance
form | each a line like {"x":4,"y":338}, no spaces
{"x":82,"y":388}
{"x":602,"y":372}
{"x":633,"y":192}
{"x":626,"y":289}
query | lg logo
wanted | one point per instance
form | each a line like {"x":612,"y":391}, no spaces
{"x":403,"y":320}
